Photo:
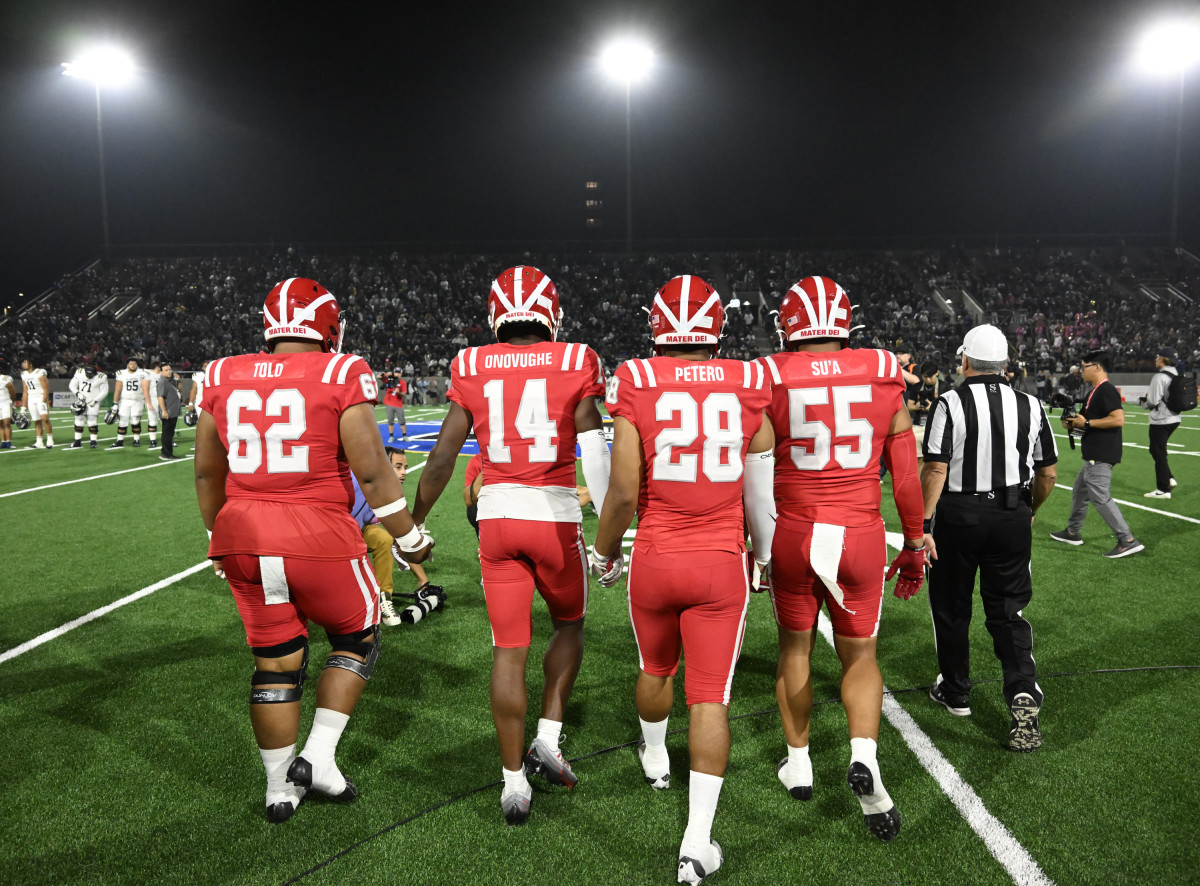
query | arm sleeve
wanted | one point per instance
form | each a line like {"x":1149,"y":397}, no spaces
{"x":758,"y":495}
{"x":597,"y":464}
{"x":901,"y":452}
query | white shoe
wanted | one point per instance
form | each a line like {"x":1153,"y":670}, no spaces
{"x":798,"y":783}
{"x":1173,"y":483}
{"x":658,"y":772}
{"x":515,"y":804}
{"x":39,"y":445}
{"x":696,"y":864}
{"x":387,"y":611}
{"x":1157,"y":493}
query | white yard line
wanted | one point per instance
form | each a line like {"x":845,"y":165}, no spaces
{"x":1133,"y":504}
{"x":96,"y":477}
{"x":1140,"y":446}
{"x":1013,"y":857}
{"x":96,"y":613}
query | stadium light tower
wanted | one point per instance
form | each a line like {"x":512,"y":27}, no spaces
{"x":107,"y":66}
{"x":628,"y":61}
{"x":1169,"y":49}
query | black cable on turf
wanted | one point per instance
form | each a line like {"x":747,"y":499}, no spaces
{"x":629,"y":744}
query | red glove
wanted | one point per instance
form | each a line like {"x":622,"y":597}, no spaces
{"x":911,"y":566}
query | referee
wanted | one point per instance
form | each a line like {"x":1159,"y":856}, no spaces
{"x":989,"y":465}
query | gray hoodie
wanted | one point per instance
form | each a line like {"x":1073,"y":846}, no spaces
{"x":1156,"y":398}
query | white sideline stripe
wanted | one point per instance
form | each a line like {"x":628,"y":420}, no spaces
{"x":1013,"y":857}
{"x":96,"y":613}
{"x":97,"y":477}
{"x":1133,"y":504}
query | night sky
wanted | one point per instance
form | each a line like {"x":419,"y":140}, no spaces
{"x":464,"y":122}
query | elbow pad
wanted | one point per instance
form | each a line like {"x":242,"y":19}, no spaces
{"x":758,"y":494}
{"x":597,"y":465}
{"x":901,"y":453}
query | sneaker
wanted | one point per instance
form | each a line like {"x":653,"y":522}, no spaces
{"x":1125,"y":548}
{"x":883,"y":825}
{"x":50,"y":445}
{"x":793,"y":782}
{"x":958,"y":707}
{"x":170,"y":457}
{"x":1157,"y":493}
{"x":120,"y":444}
{"x":515,"y":804}
{"x":540,"y":760}
{"x":38,"y":445}
{"x":696,"y":864}
{"x":78,"y":444}
{"x":92,"y":445}
{"x":658,"y":777}
{"x":137,"y":443}
{"x":1067,"y":537}
{"x":387,"y":612}
{"x":1173,"y":483}
{"x":1023,"y":732}
{"x":300,"y":773}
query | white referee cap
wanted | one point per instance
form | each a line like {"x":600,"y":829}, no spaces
{"x":985,"y":343}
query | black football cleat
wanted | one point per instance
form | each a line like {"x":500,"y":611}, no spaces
{"x":300,"y":773}
{"x":883,"y":825}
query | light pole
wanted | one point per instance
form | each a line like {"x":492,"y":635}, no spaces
{"x":104,"y":67}
{"x":628,"y":61}
{"x":1165,"y":50}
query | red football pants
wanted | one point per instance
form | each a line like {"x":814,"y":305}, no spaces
{"x":695,"y":601}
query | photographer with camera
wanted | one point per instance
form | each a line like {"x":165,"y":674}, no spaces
{"x":1163,"y":421}
{"x":1101,"y":422}
{"x":919,"y":399}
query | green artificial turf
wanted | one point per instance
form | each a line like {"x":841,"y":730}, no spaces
{"x":130,"y":759}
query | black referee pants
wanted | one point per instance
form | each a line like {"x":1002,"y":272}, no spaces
{"x":980,"y":535}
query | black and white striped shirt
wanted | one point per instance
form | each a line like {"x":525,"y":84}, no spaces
{"x":989,"y":435}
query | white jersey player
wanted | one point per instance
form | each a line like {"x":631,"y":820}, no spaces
{"x":8,"y":394}
{"x":129,"y":399}
{"x":198,"y":387}
{"x":150,"y":394}
{"x":90,"y":387}
{"x":37,"y":401}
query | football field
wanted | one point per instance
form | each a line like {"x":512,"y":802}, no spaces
{"x":129,"y":758}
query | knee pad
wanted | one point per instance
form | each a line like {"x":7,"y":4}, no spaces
{"x":365,"y":643}
{"x":260,"y":695}
{"x":137,"y":428}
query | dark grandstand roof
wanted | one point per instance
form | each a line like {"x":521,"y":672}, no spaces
{"x":420,"y":122}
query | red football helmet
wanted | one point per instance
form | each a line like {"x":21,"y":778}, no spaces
{"x":687,"y":311}
{"x":816,"y":307}
{"x":302,"y":308}
{"x":524,"y":293}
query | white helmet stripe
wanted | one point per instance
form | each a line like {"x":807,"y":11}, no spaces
{"x":499,"y":293}
{"x":822,"y":303}
{"x":283,"y":291}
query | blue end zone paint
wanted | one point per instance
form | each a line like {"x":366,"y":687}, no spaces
{"x":423,"y":434}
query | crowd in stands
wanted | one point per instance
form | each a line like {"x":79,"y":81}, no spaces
{"x":413,"y":313}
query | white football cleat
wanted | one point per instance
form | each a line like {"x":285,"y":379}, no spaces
{"x":798,"y":783}
{"x":657,"y":769}
{"x":515,"y":804}
{"x":696,"y":864}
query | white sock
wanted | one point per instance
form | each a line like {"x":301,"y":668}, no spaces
{"x":703,"y":794}
{"x":79,"y":435}
{"x":655,"y":756}
{"x":862,"y":750}
{"x":516,"y":781}
{"x":320,"y":749}
{"x":276,"y":762}
{"x":38,"y":441}
{"x":549,"y":732}
{"x":800,"y":764}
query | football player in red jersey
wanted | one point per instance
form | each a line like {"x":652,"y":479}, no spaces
{"x":275,"y":442}
{"x":529,"y":398}
{"x":835,"y":411}
{"x":683,"y":423}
